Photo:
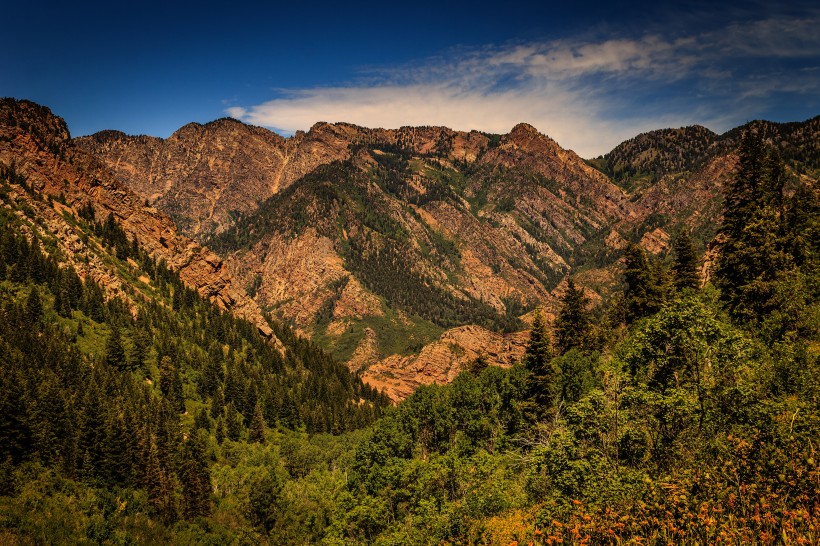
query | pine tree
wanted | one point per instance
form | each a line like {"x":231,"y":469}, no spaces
{"x":752,"y":254}
{"x":537,"y":360}
{"x":220,"y":431}
{"x":15,"y":433}
{"x":118,"y":452}
{"x":256,"y":432}
{"x":642,"y":295}
{"x":114,"y":352}
{"x":251,"y":400}
{"x":142,"y":344}
{"x":803,"y":228}
{"x":572,"y":326}
{"x":685,"y":266}
{"x":195,"y":477}
{"x":233,"y":423}
{"x":201,"y":420}
{"x":159,"y":487}
{"x":217,"y":403}
{"x":92,"y":432}
{"x":213,"y":375}
{"x":170,"y":384}
{"x":60,"y":304}
{"x":34,"y":307}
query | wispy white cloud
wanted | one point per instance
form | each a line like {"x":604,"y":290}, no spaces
{"x":587,"y":94}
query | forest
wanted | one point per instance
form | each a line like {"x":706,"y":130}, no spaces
{"x":683,"y":411}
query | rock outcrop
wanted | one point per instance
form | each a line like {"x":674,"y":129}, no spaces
{"x":441,"y":361}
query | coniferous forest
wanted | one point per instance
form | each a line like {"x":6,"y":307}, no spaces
{"x":682,"y":410}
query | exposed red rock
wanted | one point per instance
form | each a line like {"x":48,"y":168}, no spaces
{"x":38,"y":143}
{"x":440,"y":362}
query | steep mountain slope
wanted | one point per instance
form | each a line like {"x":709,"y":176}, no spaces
{"x":138,"y":303}
{"x":434,"y":242}
{"x":676,"y":176}
{"x":648,"y":157}
{"x":376,"y":241}
{"x":38,"y":144}
{"x":203,"y":174}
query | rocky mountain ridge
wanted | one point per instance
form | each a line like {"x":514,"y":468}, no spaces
{"x":648,"y":157}
{"x":361,"y":237}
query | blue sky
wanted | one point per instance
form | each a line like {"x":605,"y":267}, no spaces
{"x":588,"y":74}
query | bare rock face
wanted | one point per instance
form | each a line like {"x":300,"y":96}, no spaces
{"x":366,"y":353}
{"x":525,"y":147}
{"x":440,"y":362}
{"x":204,"y":175}
{"x":356,"y":302}
{"x":656,"y":241}
{"x":296,"y":275}
{"x":200,"y":174}
{"x":696,"y":198}
{"x":38,"y":143}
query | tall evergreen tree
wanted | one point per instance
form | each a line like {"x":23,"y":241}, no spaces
{"x":119,"y":451}
{"x":92,"y":432}
{"x":256,"y":432}
{"x":572,"y":326}
{"x":195,"y":477}
{"x":642,"y":295}
{"x":142,"y":344}
{"x":233,"y":423}
{"x":114,"y":352}
{"x":201,"y":420}
{"x":752,"y":254}
{"x":170,"y":384}
{"x":217,"y":403}
{"x":802,"y":221}
{"x":685,"y":265}
{"x":537,"y":360}
{"x":219,"y":434}
{"x":159,"y":486}
{"x":213,"y":375}
{"x":34,"y":307}
{"x":94,"y":302}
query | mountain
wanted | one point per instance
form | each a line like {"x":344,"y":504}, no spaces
{"x":38,"y":144}
{"x":105,"y":261}
{"x":376,"y":243}
{"x":203,"y":174}
{"x":648,"y":157}
{"x":676,"y":176}
{"x":148,"y":399}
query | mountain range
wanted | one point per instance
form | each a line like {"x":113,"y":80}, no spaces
{"x":406,"y":253}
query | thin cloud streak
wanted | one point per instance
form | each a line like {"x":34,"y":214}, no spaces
{"x":588,"y":95}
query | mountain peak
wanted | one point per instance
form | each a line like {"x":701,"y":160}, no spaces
{"x":524,"y":128}
{"x":107,"y":135}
